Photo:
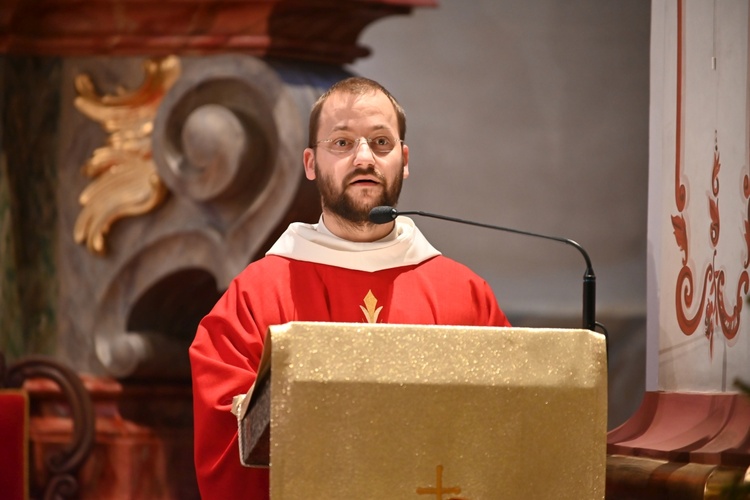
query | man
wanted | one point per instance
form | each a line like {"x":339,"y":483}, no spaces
{"x":327,"y":272}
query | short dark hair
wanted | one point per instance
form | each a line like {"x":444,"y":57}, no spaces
{"x":355,"y":85}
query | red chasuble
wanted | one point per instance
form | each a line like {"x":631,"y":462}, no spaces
{"x":275,"y":290}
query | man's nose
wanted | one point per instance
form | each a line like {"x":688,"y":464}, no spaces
{"x":363,"y":152}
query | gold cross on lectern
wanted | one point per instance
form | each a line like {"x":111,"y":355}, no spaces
{"x":439,"y":490}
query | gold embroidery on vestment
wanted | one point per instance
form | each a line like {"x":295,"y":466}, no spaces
{"x":371,"y":312}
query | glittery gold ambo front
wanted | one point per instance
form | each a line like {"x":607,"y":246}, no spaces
{"x":370,"y":410}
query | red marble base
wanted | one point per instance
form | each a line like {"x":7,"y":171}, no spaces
{"x":144,"y":442}
{"x":687,"y":427}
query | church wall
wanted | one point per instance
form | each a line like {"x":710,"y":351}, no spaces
{"x":531,"y":115}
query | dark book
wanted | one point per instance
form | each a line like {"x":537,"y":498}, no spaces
{"x":255,"y":416}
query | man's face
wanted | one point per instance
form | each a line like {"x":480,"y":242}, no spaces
{"x":353,"y":182}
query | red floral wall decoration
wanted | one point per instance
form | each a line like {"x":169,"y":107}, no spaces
{"x":717,"y":291}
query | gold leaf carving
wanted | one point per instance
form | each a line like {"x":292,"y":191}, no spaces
{"x":125,"y":182}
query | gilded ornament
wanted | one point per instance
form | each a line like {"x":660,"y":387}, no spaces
{"x":370,"y":309}
{"x":124,"y":181}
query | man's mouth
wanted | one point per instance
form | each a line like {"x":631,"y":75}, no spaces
{"x":364,"y":178}
{"x":364,"y":182}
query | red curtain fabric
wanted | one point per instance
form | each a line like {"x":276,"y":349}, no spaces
{"x":14,"y":439}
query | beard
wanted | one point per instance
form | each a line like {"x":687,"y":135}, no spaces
{"x":339,"y":200}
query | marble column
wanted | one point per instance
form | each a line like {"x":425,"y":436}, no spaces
{"x":690,"y":436}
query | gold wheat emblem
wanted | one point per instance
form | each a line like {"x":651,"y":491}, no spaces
{"x":369,"y":309}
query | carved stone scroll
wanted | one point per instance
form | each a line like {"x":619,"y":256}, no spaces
{"x":227,"y":144}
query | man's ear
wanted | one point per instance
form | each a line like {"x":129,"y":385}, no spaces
{"x":405,"y":154}
{"x":308,"y":159}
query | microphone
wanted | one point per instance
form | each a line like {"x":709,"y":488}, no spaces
{"x":385,"y":214}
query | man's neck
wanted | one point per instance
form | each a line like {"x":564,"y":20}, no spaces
{"x":353,"y":231}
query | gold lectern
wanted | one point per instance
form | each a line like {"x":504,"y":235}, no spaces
{"x":431,"y":412}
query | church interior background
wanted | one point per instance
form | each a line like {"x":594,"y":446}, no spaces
{"x":150,"y":152}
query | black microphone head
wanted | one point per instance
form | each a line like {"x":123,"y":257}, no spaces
{"x":382,"y":214}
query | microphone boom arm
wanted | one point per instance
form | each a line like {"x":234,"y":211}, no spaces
{"x":589,"y":278}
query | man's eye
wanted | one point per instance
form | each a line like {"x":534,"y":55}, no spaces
{"x":342,"y":143}
{"x":382,"y":141}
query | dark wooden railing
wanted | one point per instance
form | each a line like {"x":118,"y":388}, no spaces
{"x":63,"y":464}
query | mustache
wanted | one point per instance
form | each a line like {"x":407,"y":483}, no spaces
{"x":364,"y":171}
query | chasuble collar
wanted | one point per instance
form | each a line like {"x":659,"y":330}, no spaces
{"x":404,"y":246}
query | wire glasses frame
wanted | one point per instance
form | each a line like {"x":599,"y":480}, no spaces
{"x":378,"y":145}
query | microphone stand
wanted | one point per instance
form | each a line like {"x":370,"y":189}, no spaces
{"x":589,"y":278}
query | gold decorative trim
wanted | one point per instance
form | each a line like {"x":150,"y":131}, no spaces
{"x":370,"y":309}
{"x":124,"y":182}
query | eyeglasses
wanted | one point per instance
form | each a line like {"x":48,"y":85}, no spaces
{"x":379,"y":145}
